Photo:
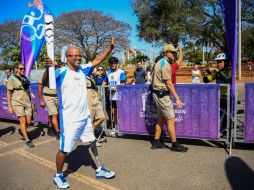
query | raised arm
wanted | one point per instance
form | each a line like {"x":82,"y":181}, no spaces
{"x":180,"y":57}
{"x":104,"y":54}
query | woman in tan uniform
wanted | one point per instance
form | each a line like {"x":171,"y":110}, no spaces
{"x":18,"y":97}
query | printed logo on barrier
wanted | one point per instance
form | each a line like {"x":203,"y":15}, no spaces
{"x":149,"y":110}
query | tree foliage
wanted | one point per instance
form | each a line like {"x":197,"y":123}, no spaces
{"x":198,"y":21}
{"x":140,"y":57}
{"x":9,"y":33}
{"x":90,"y":30}
{"x":248,"y":42}
{"x":167,"y":20}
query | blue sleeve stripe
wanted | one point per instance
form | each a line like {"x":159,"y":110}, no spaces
{"x":60,"y":78}
{"x":163,"y":62}
{"x":87,"y":70}
{"x":57,"y":72}
{"x":122,"y":77}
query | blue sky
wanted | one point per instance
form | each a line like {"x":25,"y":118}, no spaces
{"x":119,"y":9}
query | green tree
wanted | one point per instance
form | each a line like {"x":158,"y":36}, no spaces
{"x":248,"y":42}
{"x":139,"y":57}
{"x":9,"y":33}
{"x":198,"y":21}
{"x":168,"y":20}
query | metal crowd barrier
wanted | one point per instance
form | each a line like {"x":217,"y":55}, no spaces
{"x":144,"y":94}
{"x":243,"y":131}
{"x":137,"y":99}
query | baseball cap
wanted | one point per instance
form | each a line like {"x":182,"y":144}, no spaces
{"x":169,"y":47}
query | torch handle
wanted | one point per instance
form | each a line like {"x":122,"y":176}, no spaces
{"x":49,"y":27}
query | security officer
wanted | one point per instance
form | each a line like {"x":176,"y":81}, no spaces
{"x":162,"y":86}
{"x":48,"y":98}
{"x":94,"y":103}
{"x":18,"y":98}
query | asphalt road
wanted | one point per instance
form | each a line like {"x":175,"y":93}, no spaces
{"x":205,"y":166}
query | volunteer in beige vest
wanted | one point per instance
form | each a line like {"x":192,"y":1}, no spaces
{"x":48,"y":98}
{"x":18,"y":97}
{"x":162,"y":87}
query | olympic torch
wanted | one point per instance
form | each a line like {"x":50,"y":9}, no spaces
{"x":49,"y":35}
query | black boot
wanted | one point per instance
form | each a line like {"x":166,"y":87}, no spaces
{"x":51,"y":132}
{"x":178,"y":147}
{"x":157,"y":144}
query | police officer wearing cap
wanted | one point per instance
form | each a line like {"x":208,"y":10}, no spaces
{"x":162,"y":87}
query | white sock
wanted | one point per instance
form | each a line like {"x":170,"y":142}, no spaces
{"x":57,"y":174}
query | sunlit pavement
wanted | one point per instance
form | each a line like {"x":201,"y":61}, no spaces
{"x":137,"y":166}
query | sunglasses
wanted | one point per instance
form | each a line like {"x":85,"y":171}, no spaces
{"x":100,"y":69}
{"x":22,"y":69}
{"x":75,"y":56}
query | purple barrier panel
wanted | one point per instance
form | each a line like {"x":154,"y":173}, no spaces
{"x":249,"y":113}
{"x":42,"y":114}
{"x":4,"y":113}
{"x":199,"y":117}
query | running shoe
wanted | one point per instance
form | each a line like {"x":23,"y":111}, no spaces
{"x":29,"y":144}
{"x":104,"y":173}
{"x":61,"y":182}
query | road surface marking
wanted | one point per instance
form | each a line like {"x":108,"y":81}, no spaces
{"x":76,"y":176}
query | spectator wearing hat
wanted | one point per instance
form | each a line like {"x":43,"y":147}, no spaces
{"x":114,"y":77}
{"x":223,"y":75}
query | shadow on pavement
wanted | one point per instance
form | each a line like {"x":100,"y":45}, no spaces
{"x":4,"y":131}
{"x":36,"y":132}
{"x":239,"y":174}
{"x":196,"y":142}
{"x":77,"y":158}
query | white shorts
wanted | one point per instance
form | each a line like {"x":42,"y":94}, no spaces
{"x":70,"y":132}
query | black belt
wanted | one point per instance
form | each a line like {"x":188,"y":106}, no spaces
{"x":88,"y":87}
{"x":51,"y":95}
{"x":161,"y":93}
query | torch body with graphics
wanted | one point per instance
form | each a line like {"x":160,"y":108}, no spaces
{"x":49,"y":35}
